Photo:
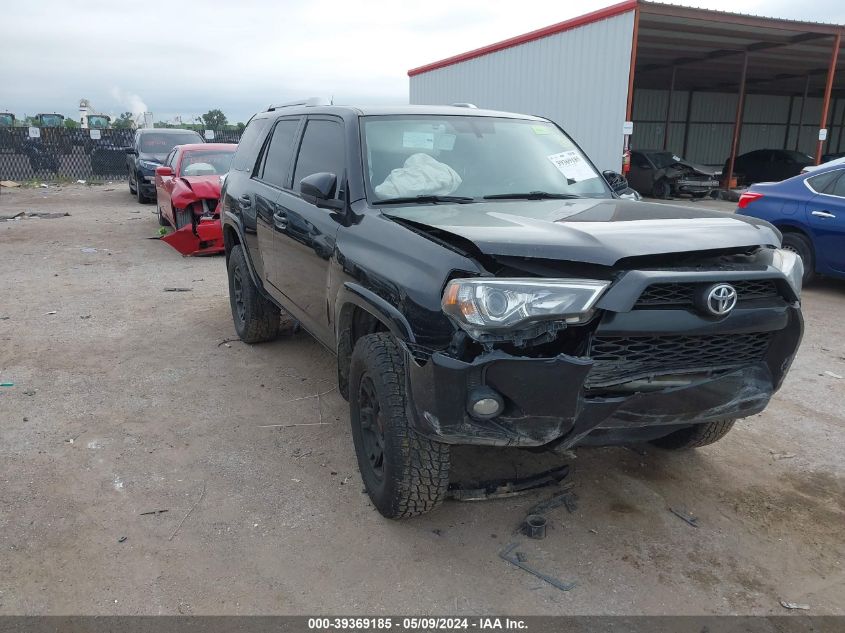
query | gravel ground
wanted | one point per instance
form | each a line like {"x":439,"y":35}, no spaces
{"x":126,"y":401}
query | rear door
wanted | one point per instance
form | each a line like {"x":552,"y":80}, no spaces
{"x":826,"y":216}
{"x":306,"y":233}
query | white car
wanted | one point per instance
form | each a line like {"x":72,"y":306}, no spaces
{"x":831,"y":163}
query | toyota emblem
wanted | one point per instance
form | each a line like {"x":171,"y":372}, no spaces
{"x":720,"y":299}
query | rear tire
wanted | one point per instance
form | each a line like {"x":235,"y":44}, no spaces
{"x":695,"y":436}
{"x":801,"y":246}
{"x":131,"y":188}
{"x":162,"y":221}
{"x":256,"y":317}
{"x":405,"y":474}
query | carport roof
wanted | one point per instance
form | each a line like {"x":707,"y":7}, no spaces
{"x":706,"y":47}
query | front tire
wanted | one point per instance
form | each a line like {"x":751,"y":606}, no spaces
{"x":662,"y":189}
{"x":256,"y":317}
{"x":142,"y":199}
{"x":801,"y":246}
{"x":695,"y":436}
{"x":405,"y":474}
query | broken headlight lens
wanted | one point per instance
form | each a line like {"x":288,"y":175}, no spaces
{"x":485,"y":305}
{"x":790,"y":264}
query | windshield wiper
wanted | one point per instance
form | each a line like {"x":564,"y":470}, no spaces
{"x":426,"y":199}
{"x":531,"y":195}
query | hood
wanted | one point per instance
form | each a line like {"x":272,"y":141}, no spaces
{"x":704,"y":170}
{"x":158,"y":158}
{"x":588,"y":230}
{"x":203,"y":186}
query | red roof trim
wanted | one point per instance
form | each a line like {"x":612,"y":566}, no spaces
{"x":589,"y":18}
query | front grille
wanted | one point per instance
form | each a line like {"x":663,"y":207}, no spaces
{"x":620,"y":359}
{"x":682,"y":294}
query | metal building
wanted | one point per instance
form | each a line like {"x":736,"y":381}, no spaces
{"x":706,"y":84}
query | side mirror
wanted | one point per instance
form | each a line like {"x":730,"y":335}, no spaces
{"x":164,"y":171}
{"x":617,"y":181}
{"x":320,"y":189}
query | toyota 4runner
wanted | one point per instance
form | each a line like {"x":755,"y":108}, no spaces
{"x":481,"y":283}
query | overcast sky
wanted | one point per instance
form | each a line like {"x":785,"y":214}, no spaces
{"x":183,"y":57}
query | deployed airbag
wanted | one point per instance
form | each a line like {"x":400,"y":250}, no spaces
{"x":422,"y":175}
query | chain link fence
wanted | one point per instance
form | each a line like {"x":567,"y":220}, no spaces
{"x":61,"y":153}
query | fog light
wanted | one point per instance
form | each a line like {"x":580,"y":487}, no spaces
{"x":484,"y":403}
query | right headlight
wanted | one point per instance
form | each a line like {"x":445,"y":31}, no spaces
{"x":148,"y":165}
{"x":790,"y":264}
{"x":483,"y":305}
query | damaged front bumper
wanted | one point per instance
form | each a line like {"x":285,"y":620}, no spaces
{"x":551,"y":400}
{"x":203,"y":238}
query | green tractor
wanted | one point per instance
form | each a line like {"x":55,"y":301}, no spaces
{"x":8,"y":138}
{"x":53,"y":132}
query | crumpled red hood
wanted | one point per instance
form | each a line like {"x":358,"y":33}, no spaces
{"x":204,"y":186}
{"x":188,"y":189}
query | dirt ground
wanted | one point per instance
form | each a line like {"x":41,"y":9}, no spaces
{"x":125,"y":401}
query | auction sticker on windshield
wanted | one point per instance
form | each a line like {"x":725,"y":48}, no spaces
{"x":572,"y":165}
{"x":418,"y":140}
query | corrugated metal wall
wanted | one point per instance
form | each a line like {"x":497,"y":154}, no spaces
{"x":712,"y":120}
{"x":577,"y":78}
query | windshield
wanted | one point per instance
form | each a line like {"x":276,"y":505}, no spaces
{"x":7,"y":120}
{"x":163,"y":143}
{"x":662,"y":160}
{"x":52,"y":120}
{"x":473,"y":157}
{"x":199,"y":163}
{"x":98,"y":121}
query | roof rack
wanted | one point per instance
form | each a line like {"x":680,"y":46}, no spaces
{"x":465,"y":105}
{"x":310,"y":102}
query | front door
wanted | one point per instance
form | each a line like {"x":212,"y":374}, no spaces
{"x":305,"y":232}
{"x":164,"y":188}
{"x":826,"y":214}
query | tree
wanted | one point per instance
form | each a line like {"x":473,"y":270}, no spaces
{"x":240,"y":126}
{"x":71,"y":124}
{"x":214,"y":119}
{"x":125,"y":121}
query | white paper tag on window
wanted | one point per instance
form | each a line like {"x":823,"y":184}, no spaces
{"x":445,"y":142}
{"x":572,"y":165}
{"x":418,"y":140}
{"x":95,"y":135}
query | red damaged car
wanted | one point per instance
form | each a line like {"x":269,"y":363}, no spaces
{"x":188,"y":190}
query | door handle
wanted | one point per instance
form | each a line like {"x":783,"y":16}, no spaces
{"x":245,"y":200}
{"x":280,"y":220}
{"x":823,"y":214}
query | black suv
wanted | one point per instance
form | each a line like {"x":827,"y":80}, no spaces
{"x":148,"y":151}
{"x":480,"y":283}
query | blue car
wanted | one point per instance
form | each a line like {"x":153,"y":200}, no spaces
{"x":809,"y":210}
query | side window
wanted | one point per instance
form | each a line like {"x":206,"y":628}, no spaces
{"x":250,"y":143}
{"x":280,"y":153}
{"x":321,"y":151}
{"x":823,"y":182}
{"x":837,"y":188}
{"x":170,"y":161}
